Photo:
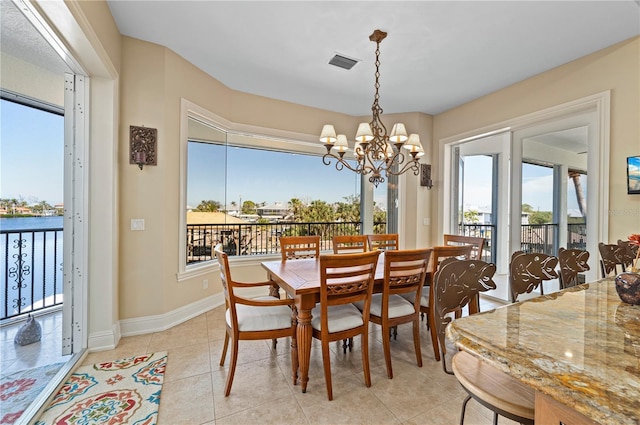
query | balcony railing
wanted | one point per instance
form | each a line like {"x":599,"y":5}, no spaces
{"x":31,"y":266}
{"x":486,"y":231}
{"x":261,"y":239}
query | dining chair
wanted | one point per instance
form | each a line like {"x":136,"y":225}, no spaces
{"x":476,"y":242}
{"x":250,"y":318}
{"x":611,"y":256}
{"x":383,"y":242}
{"x":456,"y":284}
{"x":349,"y":244}
{"x":476,"y":252}
{"x":629,"y":253}
{"x":344,"y":280}
{"x":404,"y":273}
{"x":529,"y":271}
{"x":572,"y":262}
{"x":438,"y":254}
{"x":298,"y":247}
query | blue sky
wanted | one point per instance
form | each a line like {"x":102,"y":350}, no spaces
{"x":31,"y":164}
{"x":32,"y":153}
{"x":265,"y":176}
{"x":536,"y":185}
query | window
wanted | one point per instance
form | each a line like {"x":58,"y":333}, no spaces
{"x":244,"y":191}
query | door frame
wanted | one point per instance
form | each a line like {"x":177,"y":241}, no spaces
{"x":597,"y":107}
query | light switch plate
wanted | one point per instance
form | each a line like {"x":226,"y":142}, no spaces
{"x":137,"y":224}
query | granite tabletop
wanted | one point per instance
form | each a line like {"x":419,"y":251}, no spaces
{"x":580,"y":346}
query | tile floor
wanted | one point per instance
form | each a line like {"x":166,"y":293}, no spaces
{"x":262,"y":391}
{"x":14,"y":358}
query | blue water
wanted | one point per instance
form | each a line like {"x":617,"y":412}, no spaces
{"x":22,"y":223}
{"x":30,"y":263}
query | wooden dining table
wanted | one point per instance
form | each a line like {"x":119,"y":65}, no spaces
{"x":300,"y":279}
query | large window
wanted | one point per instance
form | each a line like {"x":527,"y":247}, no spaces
{"x":244,"y":191}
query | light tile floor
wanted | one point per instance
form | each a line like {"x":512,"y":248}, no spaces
{"x":263,"y":393}
{"x":15,"y":358}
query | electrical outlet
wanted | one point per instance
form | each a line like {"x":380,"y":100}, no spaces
{"x":205,"y":283}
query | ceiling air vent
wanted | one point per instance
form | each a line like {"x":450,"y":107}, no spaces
{"x":343,"y":62}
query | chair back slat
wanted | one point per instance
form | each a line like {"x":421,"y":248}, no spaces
{"x":349,"y":244}
{"x":299,"y":247}
{"x":405,"y":271}
{"x":528,"y":271}
{"x":384,"y":242}
{"x":572,"y":262}
{"x":476,"y":242}
{"x":347,"y":278}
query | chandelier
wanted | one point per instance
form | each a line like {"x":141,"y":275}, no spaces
{"x":375,"y":151}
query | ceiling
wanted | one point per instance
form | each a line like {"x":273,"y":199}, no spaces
{"x":437,"y":55}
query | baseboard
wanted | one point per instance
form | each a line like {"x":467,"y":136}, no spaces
{"x":162,"y":322}
{"x":143,"y":325}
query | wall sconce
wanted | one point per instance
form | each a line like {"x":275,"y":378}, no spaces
{"x":142,"y":146}
{"x":425,"y":176}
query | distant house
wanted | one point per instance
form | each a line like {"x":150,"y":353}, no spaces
{"x":273,"y":212}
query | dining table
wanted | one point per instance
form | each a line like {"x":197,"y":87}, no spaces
{"x":300,"y":279}
{"x":578,"y":348}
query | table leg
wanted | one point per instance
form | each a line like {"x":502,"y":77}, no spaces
{"x":304,"y":334}
{"x":294,"y":346}
{"x":274,"y":289}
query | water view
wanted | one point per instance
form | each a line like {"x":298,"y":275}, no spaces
{"x":32,"y":253}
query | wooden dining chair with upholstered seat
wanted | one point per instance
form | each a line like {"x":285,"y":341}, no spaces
{"x":476,"y":242}
{"x":344,"y":280}
{"x":404,"y":273}
{"x":611,"y":256}
{"x":455,"y":285}
{"x":349,"y":244}
{"x":572,"y":262}
{"x":528,"y":271}
{"x":250,"y":318}
{"x":383,"y":242}
{"x":297,"y":247}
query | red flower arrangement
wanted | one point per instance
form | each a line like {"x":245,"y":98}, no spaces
{"x":634,"y":239}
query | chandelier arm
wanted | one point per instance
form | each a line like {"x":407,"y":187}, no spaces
{"x":340,"y":163}
{"x":411,"y":165}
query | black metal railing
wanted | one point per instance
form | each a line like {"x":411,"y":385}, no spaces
{"x":577,"y":236}
{"x":538,"y":238}
{"x":486,"y":231}
{"x":32,"y":270}
{"x":261,"y":238}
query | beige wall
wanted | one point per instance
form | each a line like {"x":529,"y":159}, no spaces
{"x":152,"y":80}
{"x":616,"y":68}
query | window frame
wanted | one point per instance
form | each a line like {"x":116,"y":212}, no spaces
{"x":247,"y":136}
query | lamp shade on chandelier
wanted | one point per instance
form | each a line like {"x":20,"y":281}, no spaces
{"x":376,"y":152}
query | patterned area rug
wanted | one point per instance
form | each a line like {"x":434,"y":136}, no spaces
{"x":19,"y":389}
{"x":125,"y":391}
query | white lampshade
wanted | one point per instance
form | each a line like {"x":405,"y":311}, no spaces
{"x":341,"y":143}
{"x":398,"y":133}
{"x":364,"y":133}
{"x":328,"y":135}
{"x":413,"y":144}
